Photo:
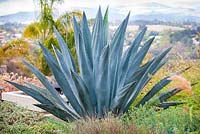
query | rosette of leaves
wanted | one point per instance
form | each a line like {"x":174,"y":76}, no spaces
{"x":107,"y":78}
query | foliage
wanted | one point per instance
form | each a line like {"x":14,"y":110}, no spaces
{"x":184,"y":36}
{"x":175,"y":120}
{"x":15,"y":119}
{"x":43,"y":30}
{"x":12,"y":51}
{"x":108,"y":80}
{"x":11,"y":115}
{"x":192,"y":74}
{"x":32,"y":31}
{"x":19,"y":120}
{"x":18,"y":47}
{"x":140,"y":120}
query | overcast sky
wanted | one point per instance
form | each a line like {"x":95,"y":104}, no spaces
{"x":14,"y":6}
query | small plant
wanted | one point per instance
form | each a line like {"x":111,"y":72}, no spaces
{"x":109,"y":80}
{"x":174,"y":120}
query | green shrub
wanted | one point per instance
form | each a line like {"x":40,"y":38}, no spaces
{"x":17,"y":120}
{"x":175,"y":120}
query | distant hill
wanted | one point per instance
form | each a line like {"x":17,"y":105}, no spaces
{"x":21,"y":17}
{"x":170,"y":15}
{"x":156,"y":12}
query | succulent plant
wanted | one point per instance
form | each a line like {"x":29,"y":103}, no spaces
{"x":108,"y":78}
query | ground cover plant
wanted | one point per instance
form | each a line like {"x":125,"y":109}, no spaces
{"x":175,"y":120}
{"x":145,"y":120}
{"x":109,"y":80}
{"x":17,"y":120}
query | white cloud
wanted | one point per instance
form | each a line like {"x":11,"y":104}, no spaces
{"x":13,"y":6}
{"x":115,"y":3}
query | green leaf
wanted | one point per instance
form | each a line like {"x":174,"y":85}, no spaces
{"x":106,"y":27}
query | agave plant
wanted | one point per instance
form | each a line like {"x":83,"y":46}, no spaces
{"x":108,"y":78}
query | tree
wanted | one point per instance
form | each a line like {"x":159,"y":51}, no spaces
{"x":32,"y":31}
{"x":43,"y":29}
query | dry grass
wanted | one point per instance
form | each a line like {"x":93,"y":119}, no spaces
{"x":109,"y":125}
{"x":181,"y":83}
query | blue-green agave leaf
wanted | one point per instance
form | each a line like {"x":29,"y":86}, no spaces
{"x":97,"y":39}
{"x":129,"y":56}
{"x":64,"y":115}
{"x":86,"y":70}
{"x":60,"y":59}
{"x":66,"y":87}
{"x":116,"y":47}
{"x":46,"y":83}
{"x":139,"y":57}
{"x":68,"y":76}
{"x":166,"y":95}
{"x":65,"y":50}
{"x":85,"y":65}
{"x":47,"y":53}
{"x":33,"y":93}
{"x":118,"y":100}
{"x":84,"y":94}
{"x":43,"y":92}
{"x":45,"y":100}
{"x":153,"y":68}
{"x":46,"y":94}
{"x":87,"y":37}
{"x":156,"y":88}
{"x":140,"y":72}
{"x":168,"y":104}
{"x":102,"y":84}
